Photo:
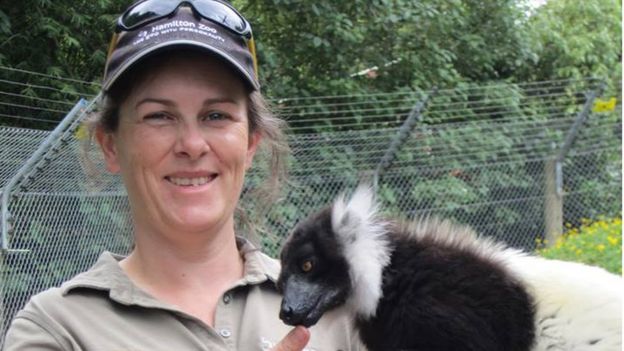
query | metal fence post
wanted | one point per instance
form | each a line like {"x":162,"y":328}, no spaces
{"x":406,"y":128}
{"x":553,"y":204}
{"x":27,"y":168}
{"x":553,"y":173}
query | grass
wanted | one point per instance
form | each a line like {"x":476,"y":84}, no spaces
{"x":597,"y":243}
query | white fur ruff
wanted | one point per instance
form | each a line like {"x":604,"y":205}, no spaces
{"x":363,"y":237}
{"x":579,"y":307}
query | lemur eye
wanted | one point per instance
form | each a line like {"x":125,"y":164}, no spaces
{"x":307,"y":266}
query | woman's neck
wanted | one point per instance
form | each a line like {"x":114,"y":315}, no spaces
{"x":191,"y":277}
{"x":175,"y":264}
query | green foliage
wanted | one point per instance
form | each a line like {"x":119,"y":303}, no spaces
{"x":315,"y":48}
{"x":575,"y":39}
{"x":60,"y":38}
{"x":65,"y":39}
{"x":596,"y":243}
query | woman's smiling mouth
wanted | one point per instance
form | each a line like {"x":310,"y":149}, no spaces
{"x":191,"y":181}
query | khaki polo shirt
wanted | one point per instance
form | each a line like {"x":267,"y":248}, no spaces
{"x":101,"y":309}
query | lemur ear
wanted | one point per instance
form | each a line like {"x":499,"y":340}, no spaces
{"x":349,"y":218}
{"x":362,"y":202}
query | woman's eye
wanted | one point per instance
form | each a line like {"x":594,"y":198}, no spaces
{"x":215,"y":116}
{"x":158,"y":116}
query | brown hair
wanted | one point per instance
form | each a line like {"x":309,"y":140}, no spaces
{"x":271,"y":156}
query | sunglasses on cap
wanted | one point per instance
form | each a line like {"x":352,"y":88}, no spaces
{"x":145,"y":12}
{"x":148,"y":11}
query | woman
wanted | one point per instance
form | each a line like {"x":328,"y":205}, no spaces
{"x":181,"y":122}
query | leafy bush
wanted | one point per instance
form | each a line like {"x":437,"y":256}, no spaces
{"x":596,"y":243}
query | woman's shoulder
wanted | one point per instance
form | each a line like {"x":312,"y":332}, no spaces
{"x":41,"y":307}
{"x":73,"y":294}
{"x":43,"y":320}
{"x":33,"y":325}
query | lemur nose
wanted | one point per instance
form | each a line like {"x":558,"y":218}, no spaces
{"x":286,"y":314}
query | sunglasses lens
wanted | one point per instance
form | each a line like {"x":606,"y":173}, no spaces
{"x":147,"y":11}
{"x":222,"y":14}
{"x":213,"y":10}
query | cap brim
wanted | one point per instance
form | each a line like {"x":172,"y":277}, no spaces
{"x":181,"y":43}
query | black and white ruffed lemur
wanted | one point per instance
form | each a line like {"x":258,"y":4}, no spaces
{"x":433,"y":285}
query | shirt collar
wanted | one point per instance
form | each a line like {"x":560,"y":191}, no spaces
{"x":107,"y":275}
{"x":258,"y":266}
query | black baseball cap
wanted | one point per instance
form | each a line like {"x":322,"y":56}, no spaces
{"x":184,"y":26}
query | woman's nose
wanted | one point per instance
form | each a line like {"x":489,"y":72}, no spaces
{"x":191,"y":142}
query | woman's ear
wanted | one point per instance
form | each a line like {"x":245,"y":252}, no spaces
{"x":252,"y":147}
{"x":109,"y":149}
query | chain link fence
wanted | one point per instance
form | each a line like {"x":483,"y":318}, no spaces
{"x":514,"y":161}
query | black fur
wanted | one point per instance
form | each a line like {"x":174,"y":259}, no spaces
{"x":439,"y":297}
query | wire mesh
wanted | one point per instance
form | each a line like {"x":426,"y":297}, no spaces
{"x":478,"y":155}
{"x":17,"y":145}
{"x":32,"y":99}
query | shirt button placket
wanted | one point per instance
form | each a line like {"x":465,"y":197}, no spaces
{"x":224,"y":319}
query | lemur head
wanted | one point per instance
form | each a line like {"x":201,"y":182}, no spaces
{"x":333,"y":257}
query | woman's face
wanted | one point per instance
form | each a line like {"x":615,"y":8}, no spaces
{"x":183,"y":146}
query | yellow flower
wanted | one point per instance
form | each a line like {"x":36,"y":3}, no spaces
{"x":612,"y":240}
{"x":603,"y":105}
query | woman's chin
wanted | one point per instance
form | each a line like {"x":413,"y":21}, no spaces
{"x":198,"y":221}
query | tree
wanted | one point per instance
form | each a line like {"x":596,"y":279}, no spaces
{"x":60,"y":38}
{"x":575,"y":39}
{"x":315,"y":48}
